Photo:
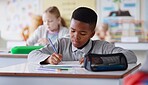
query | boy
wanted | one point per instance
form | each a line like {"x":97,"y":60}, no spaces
{"x":82,"y":29}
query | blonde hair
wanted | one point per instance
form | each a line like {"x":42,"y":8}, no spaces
{"x":103,"y":26}
{"x":55,"y":11}
{"x":102,"y":31}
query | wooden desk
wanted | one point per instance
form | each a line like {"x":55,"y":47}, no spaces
{"x":27,"y":74}
{"x":7,"y":59}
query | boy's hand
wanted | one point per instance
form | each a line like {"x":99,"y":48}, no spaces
{"x":81,"y":61}
{"x":55,"y":58}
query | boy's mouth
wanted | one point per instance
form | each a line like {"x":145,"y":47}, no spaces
{"x":75,"y":41}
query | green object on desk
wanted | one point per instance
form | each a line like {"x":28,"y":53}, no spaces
{"x":24,"y":49}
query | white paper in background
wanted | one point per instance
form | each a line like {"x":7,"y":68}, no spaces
{"x":129,"y":39}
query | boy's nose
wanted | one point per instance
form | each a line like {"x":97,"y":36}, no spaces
{"x":77,"y":36}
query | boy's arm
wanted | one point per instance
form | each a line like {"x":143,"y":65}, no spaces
{"x":53,"y":59}
{"x":110,"y":48}
{"x":130,"y":55}
{"x":41,"y":55}
{"x":37,"y":56}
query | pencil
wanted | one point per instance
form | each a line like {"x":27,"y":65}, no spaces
{"x":52,"y":45}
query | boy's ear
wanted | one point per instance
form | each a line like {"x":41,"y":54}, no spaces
{"x":93,"y":33}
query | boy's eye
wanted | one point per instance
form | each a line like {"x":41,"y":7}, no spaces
{"x":72,"y":31}
{"x":82,"y":33}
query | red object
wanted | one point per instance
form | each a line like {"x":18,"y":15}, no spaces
{"x":137,"y":78}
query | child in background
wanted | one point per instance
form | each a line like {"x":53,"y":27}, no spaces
{"x":102,"y":32}
{"x":53,"y":28}
{"x":82,"y":29}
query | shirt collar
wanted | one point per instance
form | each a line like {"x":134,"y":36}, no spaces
{"x":85,"y":49}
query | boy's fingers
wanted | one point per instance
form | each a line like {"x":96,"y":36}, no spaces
{"x":53,"y":60}
{"x":81,"y":60}
{"x":58,"y":56}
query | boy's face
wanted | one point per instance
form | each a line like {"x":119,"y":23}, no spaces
{"x":80,"y":33}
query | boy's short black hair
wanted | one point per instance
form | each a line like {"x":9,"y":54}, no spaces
{"x":86,"y":15}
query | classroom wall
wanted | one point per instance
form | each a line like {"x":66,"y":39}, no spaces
{"x":146,"y":13}
{"x":15,"y":8}
{"x":2,"y":43}
{"x":2,"y":25}
{"x":14,"y":16}
{"x":67,"y":6}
